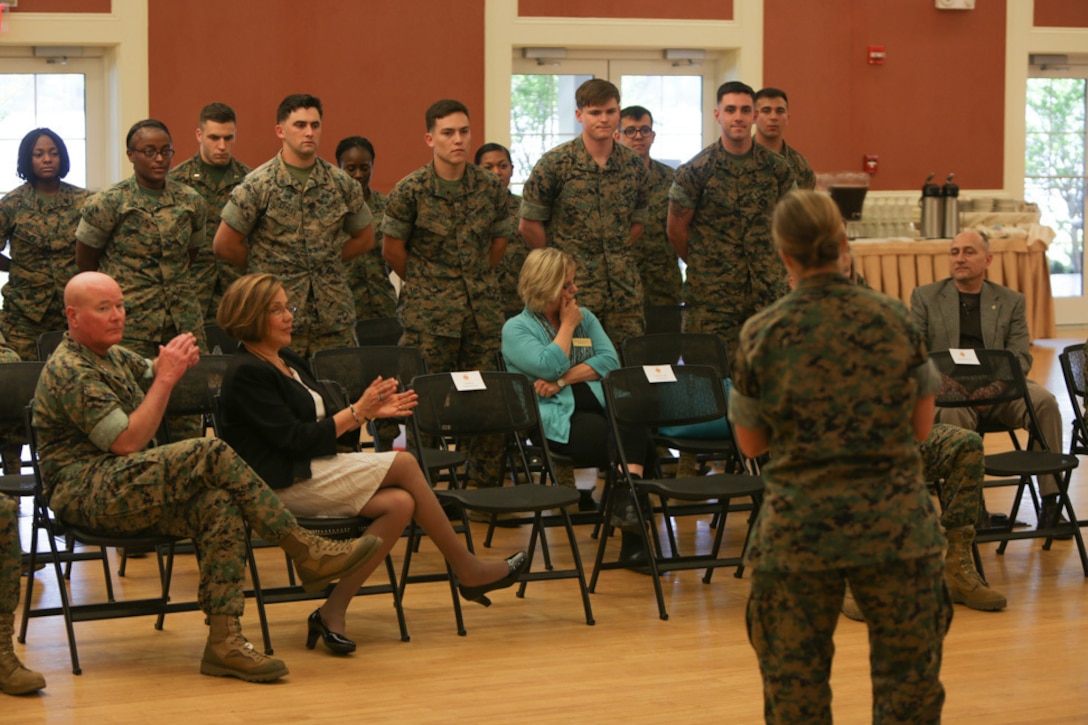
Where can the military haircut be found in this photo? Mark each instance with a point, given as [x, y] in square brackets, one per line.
[488, 148]
[354, 142]
[542, 277]
[636, 112]
[596, 92]
[141, 125]
[441, 109]
[24, 167]
[217, 112]
[808, 228]
[769, 92]
[296, 101]
[735, 87]
[243, 311]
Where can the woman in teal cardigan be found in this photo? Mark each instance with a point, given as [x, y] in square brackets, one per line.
[564, 350]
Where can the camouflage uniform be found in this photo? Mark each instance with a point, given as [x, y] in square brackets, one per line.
[510, 266]
[40, 230]
[211, 277]
[733, 269]
[197, 488]
[587, 212]
[11, 437]
[658, 265]
[954, 456]
[297, 232]
[367, 274]
[449, 304]
[10, 555]
[147, 241]
[802, 172]
[832, 373]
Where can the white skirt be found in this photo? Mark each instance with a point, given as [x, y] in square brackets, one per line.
[341, 485]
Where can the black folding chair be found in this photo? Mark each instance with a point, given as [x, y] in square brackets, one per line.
[996, 379]
[696, 396]
[219, 342]
[45, 523]
[507, 407]
[47, 343]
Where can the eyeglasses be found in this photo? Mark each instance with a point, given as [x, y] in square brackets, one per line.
[632, 131]
[151, 152]
[280, 311]
[568, 286]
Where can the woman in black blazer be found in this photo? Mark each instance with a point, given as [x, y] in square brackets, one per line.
[285, 425]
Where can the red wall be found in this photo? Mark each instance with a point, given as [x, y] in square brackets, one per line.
[63, 6]
[376, 66]
[932, 106]
[674, 10]
[1060, 14]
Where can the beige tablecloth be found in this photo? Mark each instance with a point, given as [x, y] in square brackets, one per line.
[897, 266]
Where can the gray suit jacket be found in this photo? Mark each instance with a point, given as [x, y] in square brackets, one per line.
[936, 309]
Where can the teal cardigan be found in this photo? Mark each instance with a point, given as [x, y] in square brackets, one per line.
[528, 349]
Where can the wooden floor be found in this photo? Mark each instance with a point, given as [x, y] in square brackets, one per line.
[535, 660]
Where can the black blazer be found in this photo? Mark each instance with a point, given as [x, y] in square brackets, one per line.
[271, 421]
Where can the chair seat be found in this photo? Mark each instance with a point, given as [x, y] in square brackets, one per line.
[133, 541]
[511, 499]
[17, 485]
[437, 458]
[1028, 463]
[698, 445]
[335, 527]
[701, 488]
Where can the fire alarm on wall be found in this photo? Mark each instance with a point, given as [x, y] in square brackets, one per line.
[955, 4]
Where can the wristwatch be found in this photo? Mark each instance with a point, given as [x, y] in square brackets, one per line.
[561, 383]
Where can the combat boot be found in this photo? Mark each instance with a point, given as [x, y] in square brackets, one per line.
[964, 583]
[15, 679]
[229, 654]
[320, 560]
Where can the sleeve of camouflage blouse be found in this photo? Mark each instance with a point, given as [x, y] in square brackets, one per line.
[97, 220]
[539, 192]
[400, 211]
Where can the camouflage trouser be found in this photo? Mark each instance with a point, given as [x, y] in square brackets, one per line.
[725, 325]
[22, 334]
[954, 455]
[469, 352]
[205, 275]
[198, 488]
[791, 622]
[622, 324]
[306, 341]
[10, 555]
[227, 274]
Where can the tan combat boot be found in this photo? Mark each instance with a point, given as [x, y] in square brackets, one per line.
[320, 560]
[229, 654]
[964, 583]
[14, 678]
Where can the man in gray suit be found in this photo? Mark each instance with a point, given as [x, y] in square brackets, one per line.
[968, 311]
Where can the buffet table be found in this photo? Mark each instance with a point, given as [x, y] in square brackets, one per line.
[897, 266]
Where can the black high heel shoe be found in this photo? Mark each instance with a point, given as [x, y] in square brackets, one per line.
[336, 642]
[517, 565]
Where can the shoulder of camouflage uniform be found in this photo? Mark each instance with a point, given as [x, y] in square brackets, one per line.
[770, 160]
[183, 190]
[661, 168]
[77, 193]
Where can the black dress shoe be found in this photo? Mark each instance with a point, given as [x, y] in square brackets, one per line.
[516, 564]
[336, 642]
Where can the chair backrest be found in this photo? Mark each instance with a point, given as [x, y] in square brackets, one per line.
[47, 343]
[195, 393]
[506, 405]
[1075, 371]
[355, 368]
[378, 331]
[682, 348]
[664, 319]
[696, 396]
[18, 381]
[219, 342]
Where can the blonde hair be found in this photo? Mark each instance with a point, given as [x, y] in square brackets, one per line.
[243, 311]
[542, 277]
[807, 227]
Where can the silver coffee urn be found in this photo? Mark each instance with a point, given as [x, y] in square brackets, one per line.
[931, 209]
[950, 208]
